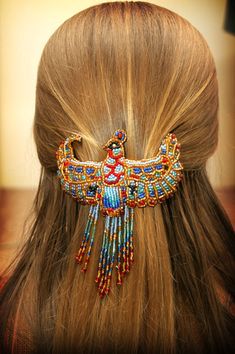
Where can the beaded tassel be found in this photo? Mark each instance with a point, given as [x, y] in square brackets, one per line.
[91, 224]
[107, 257]
[110, 247]
[131, 237]
[119, 273]
[128, 254]
[124, 248]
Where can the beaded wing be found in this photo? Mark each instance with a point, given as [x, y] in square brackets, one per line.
[114, 187]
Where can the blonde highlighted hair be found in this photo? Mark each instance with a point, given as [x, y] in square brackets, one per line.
[142, 68]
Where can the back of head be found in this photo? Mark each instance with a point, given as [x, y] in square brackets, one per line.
[142, 68]
[132, 65]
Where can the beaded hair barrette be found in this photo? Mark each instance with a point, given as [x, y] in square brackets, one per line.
[115, 186]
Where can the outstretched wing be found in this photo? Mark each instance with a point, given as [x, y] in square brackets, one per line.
[152, 180]
[79, 179]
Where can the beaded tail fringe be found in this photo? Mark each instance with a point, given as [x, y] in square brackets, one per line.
[117, 246]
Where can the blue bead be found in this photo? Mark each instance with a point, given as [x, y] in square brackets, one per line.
[137, 170]
[79, 169]
[151, 191]
[148, 169]
[90, 170]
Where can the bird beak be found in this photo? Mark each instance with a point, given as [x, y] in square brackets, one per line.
[105, 147]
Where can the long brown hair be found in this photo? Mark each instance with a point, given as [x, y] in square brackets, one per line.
[139, 67]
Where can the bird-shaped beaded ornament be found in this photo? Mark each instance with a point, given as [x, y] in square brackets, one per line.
[115, 186]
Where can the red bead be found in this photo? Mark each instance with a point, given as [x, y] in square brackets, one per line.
[165, 160]
[151, 202]
[110, 182]
[66, 163]
[173, 136]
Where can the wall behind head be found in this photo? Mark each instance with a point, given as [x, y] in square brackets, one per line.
[25, 27]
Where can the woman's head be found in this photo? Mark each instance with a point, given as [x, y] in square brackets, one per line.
[138, 67]
[127, 65]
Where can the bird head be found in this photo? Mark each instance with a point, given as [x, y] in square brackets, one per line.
[114, 145]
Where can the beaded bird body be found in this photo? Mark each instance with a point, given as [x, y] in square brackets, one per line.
[115, 187]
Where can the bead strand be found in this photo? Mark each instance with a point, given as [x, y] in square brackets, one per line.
[86, 236]
[131, 236]
[110, 259]
[92, 238]
[106, 261]
[127, 269]
[105, 255]
[106, 230]
[119, 274]
[124, 240]
[116, 229]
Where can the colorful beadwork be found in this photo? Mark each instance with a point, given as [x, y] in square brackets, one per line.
[115, 186]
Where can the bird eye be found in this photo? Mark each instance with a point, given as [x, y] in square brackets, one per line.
[114, 145]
